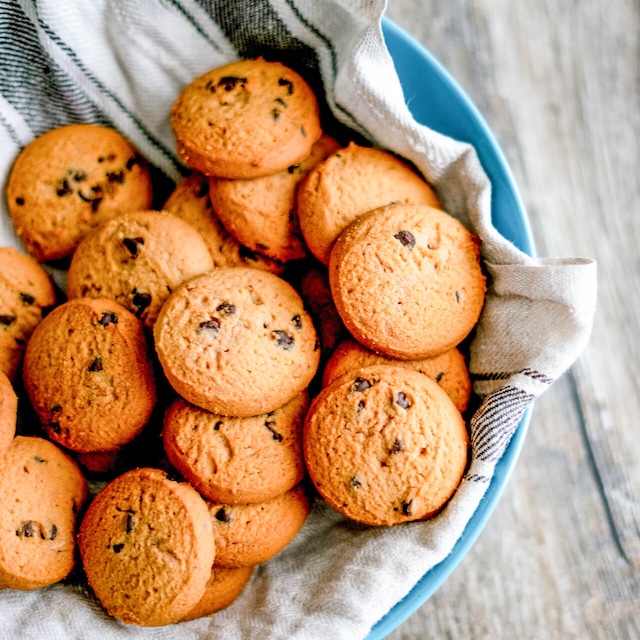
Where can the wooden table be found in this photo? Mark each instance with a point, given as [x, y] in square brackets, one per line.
[559, 84]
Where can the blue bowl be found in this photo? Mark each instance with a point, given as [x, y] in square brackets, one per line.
[436, 100]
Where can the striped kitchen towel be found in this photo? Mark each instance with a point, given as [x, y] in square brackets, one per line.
[123, 63]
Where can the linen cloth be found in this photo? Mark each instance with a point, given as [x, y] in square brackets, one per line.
[123, 63]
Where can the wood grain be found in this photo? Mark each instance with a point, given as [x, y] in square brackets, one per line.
[559, 84]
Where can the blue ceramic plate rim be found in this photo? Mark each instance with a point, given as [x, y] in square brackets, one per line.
[461, 120]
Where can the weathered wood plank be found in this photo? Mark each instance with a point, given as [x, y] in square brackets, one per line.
[559, 85]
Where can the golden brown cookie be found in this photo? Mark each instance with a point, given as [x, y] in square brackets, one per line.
[248, 534]
[26, 292]
[8, 413]
[41, 493]
[407, 281]
[245, 119]
[223, 588]
[137, 259]
[70, 180]
[190, 201]
[147, 547]
[351, 182]
[316, 293]
[89, 375]
[237, 341]
[385, 445]
[237, 460]
[448, 369]
[261, 212]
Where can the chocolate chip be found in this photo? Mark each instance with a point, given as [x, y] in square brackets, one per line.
[77, 175]
[439, 376]
[396, 447]
[212, 326]
[354, 483]
[54, 532]
[361, 405]
[406, 239]
[133, 245]
[56, 409]
[132, 162]
[217, 425]
[222, 515]
[118, 547]
[458, 297]
[55, 427]
[275, 114]
[26, 530]
[406, 507]
[108, 317]
[283, 339]
[95, 204]
[303, 132]
[293, 168]
[95, 193]
[226, 308]
[110, 157]
[228, 83]
[361, 384]
[7, 319]
[27, 298]
[141, 301]
[297, 321]
[283, 82]
[39, 460]
[402, 400]
[131, 522]
[116, 177]
[281, 102]
[19, 201]
[274, 434]
[63, 188]
[96, 365]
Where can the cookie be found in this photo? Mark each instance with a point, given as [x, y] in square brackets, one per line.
[70, 180]
[26, 293]
[448, 369]
[190, 201]
[89, 375]
[237, 460]
[236, 341]
[99, 461]
[385, 445]
[351, 182]
[147, 547]
[316, 293]
[137, 259]
[8, 413]
[248, 534]
[41, 493]
[224, 588]
[407, 281]
[245, 119]
[261, 212]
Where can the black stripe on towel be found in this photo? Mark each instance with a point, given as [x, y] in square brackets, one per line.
[32, 83]
[495, 421]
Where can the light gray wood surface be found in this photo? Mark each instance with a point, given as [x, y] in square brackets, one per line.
[558, 82]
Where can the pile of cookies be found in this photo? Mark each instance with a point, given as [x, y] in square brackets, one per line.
[289, 321]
